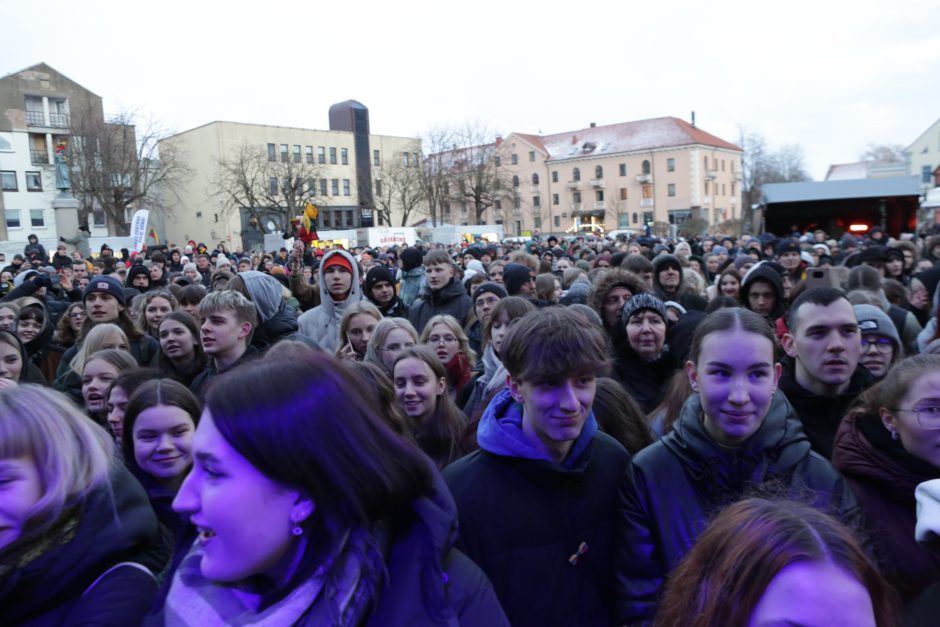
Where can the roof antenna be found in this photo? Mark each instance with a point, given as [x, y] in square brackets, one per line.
[693, 119]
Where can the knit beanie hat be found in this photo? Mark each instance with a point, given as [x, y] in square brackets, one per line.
[662, 261]
[376, 274]
[22, 276]
[873, 321]
[105, 284]
[411, 258]
[642, 302]
[514, 276]
[489, 286]
[339, 259]
[133, 272]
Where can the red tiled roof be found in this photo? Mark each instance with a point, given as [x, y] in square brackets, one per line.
[535, 140]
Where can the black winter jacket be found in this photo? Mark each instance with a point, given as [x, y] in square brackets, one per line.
[646, 381]
[451, 299]
[523, 522]
[685, 478]
[821, 415]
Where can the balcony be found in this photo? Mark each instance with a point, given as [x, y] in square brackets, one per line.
[736, 176]
[535, 189]
[39, 157]
[646, 202]
[597, 182]
[574, 185]
[576, 206]
[35, 118]
[711, 174]
[644, 178]
[600, 205]
[59, 120]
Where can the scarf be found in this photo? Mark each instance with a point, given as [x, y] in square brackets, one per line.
[28, 548]
[337, 593]
[458, 371]
[494, 372]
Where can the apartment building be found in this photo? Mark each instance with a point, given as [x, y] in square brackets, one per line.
[618, 176]
[340, 170]
[38, 105]
[923, 155]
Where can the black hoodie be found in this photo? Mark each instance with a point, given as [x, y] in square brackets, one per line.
[764, 272]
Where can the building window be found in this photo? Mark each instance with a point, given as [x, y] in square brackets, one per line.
[535, 179]
[272, 186]
[925, 174]
[722, 189]
[576, 175]
[414, 159]
[33, 182]
[531, 155]
[577, 197]
[636, 218]
[334, 184]
[321, 154]
[623, 220]
[646, 167]
[497, 161]
[97, 217]
[323, 187]
[498, 204]
[517, 201]
[9, 181]
[12, 218]
[308, 153]
[732, 189]
[296, 153]
[623, 193]
[312, 187]
[556, 199]
[284, 156]
[599, 195]
[706, 162]
[405, 159]
[344, 156]
[598, 172]
[671, 189]
[537, 222]
[557, 221]
[272, 152]
[515, 159]
[346, 191]
[554, 176]
[375, 158]
[536, 201]
[37, 218]
[378, 187]
[333, 155]
[722, 165]
[515, 181]
[623, 169]
[670, 165]
[706, 188]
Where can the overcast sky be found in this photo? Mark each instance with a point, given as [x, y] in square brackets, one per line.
[831, 76]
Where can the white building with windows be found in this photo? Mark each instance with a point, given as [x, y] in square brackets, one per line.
[923, 155]
[37, 105]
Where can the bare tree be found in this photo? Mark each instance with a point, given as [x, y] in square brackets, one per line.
[117, 165]
[892, 153]
[278, 189]
[400, 187]
[761, 165]
[437, 144]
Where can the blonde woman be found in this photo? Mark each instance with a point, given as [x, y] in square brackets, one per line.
[100, 337]
[355, 330]
[390, 338]
[444, 335]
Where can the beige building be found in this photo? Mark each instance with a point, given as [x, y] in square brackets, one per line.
[923, 155]
[620, 176]
[339, 171]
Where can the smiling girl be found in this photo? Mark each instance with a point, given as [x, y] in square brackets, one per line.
[736, 433]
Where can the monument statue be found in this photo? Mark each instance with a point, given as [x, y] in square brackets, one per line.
[62, 181]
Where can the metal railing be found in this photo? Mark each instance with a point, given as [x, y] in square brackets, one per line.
[59, 120]
[35, 118]
[39, 156]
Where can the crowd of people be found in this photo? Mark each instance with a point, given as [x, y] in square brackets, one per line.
[580, 431]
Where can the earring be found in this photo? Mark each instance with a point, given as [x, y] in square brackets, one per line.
[894, 434]
[297, 530]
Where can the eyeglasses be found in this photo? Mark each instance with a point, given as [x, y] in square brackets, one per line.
[446, 339]
[928, 416]
[881, 344]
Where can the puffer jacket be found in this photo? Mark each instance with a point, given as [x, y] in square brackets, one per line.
[452, 299]
[546, 534]
[884, 476]
[685, 478]
[321, 323]
[644, 380]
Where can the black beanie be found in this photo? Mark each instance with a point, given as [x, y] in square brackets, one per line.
[514, 276]
[134, 271]
[376, 274]
[411, 258]
[489, 286]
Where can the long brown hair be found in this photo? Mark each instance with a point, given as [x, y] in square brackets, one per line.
[724, 576]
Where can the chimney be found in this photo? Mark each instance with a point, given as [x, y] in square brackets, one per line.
[593, 124]
[693, 119]
[574, 140]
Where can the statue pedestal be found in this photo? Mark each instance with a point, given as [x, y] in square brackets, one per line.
[66, 214]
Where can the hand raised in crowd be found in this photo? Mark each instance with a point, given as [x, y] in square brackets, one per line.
[347, 352]
[297, 255]
[65, 282]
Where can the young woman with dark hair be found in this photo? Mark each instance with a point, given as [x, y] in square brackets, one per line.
[764, 562]
[313, 517]
[421, 389]
[181, 354]
[737, 433]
